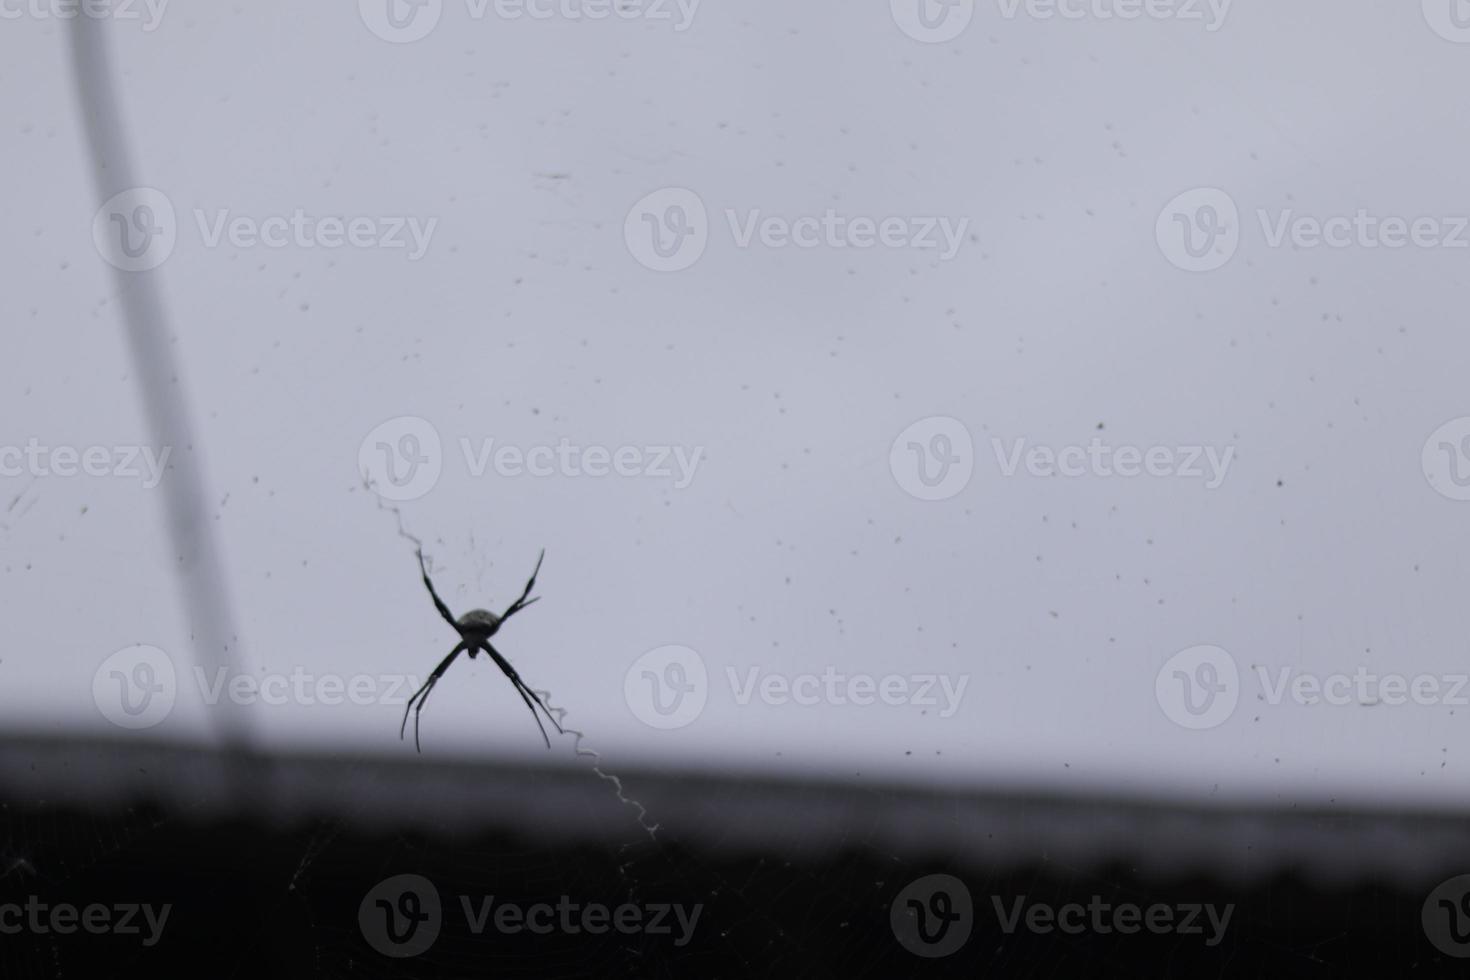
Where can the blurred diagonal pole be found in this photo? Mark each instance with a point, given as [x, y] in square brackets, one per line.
[199, 567]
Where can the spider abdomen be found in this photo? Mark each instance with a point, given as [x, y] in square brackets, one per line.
[479, 621]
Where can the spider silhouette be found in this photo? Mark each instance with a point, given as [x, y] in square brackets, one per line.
[475, 629]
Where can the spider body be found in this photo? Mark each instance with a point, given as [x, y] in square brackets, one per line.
[479, 622]
[475, 629]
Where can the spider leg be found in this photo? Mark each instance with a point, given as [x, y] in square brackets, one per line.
[438, 602]
[422, 694]
[523, 602]
[527, 695]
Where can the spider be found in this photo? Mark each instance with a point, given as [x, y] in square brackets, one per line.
[475, 629]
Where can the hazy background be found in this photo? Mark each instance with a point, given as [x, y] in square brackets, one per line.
[796, 546]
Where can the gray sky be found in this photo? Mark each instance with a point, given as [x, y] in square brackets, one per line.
[521, 150]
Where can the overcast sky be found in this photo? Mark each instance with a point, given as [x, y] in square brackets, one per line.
[895, 273]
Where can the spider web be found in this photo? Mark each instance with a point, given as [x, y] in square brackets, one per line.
[643, 866]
